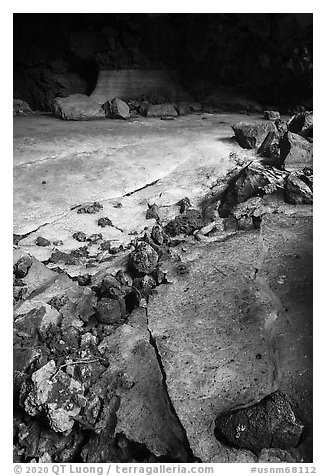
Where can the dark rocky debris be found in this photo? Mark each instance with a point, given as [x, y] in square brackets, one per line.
[271, 423]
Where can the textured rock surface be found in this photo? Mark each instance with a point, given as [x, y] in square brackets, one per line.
[296, 152]
[297, 191]
[119, 109]
[161, 110]
[77, 107]
[252, 134]
[21, 108]
[217, 320]
[270, 423]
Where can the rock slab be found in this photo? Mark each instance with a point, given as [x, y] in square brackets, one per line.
[77, 107]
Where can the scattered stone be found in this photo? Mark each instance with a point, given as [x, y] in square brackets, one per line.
[77, 107]
[108, 311]
[79, 236]
[186, 223]
[93, 208]
[40, 241]
[143, 259]
[22, 266]
[104, 221]
[152, 212]
[252, 134]
[119, 109]
[271, 423]
[296, 152]
[296, 191]
[272, 115]
[161, 110]
[21, 108]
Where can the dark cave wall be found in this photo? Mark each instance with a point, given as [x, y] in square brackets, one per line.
[267, 57]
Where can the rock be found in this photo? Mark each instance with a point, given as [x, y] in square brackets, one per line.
[22, 266]
[77, 107]
[272, 115]
[184, 204]
[271, 423]
[143, 259]
[296, 191]
[182, 108]
[194, 107]
[301, 123]
[276, 455]
[79, 236]
[21, 108]
[252, 134]
[186, 223]
[296, 152]
[95, 237]
[152, 212]
[119, 109]
[161, 110]
[252, 181]
[95, 207]
[104, 221]
[158, 235]
[40, 241]
[108, 311]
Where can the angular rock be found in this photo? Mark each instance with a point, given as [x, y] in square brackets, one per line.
[301, 123]
[272, 115]
[182, 108]
[161, 110]
[21, 108]
[22, 266]
[77, 107]
[185, 224]
[143, 259]
[119, 109]
[108, 311]
[252, 134]
[271, 423]
[296, 152]
[56, 394]
[296, 191]
[253, 180]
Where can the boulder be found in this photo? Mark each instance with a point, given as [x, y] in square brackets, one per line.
[296, 191]
[301, 123]
[161, 110]
[21, 108]
[77, 107]
[252, 134]
[296, 152]
[182, 108]
[119, 109]
[271, 423]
